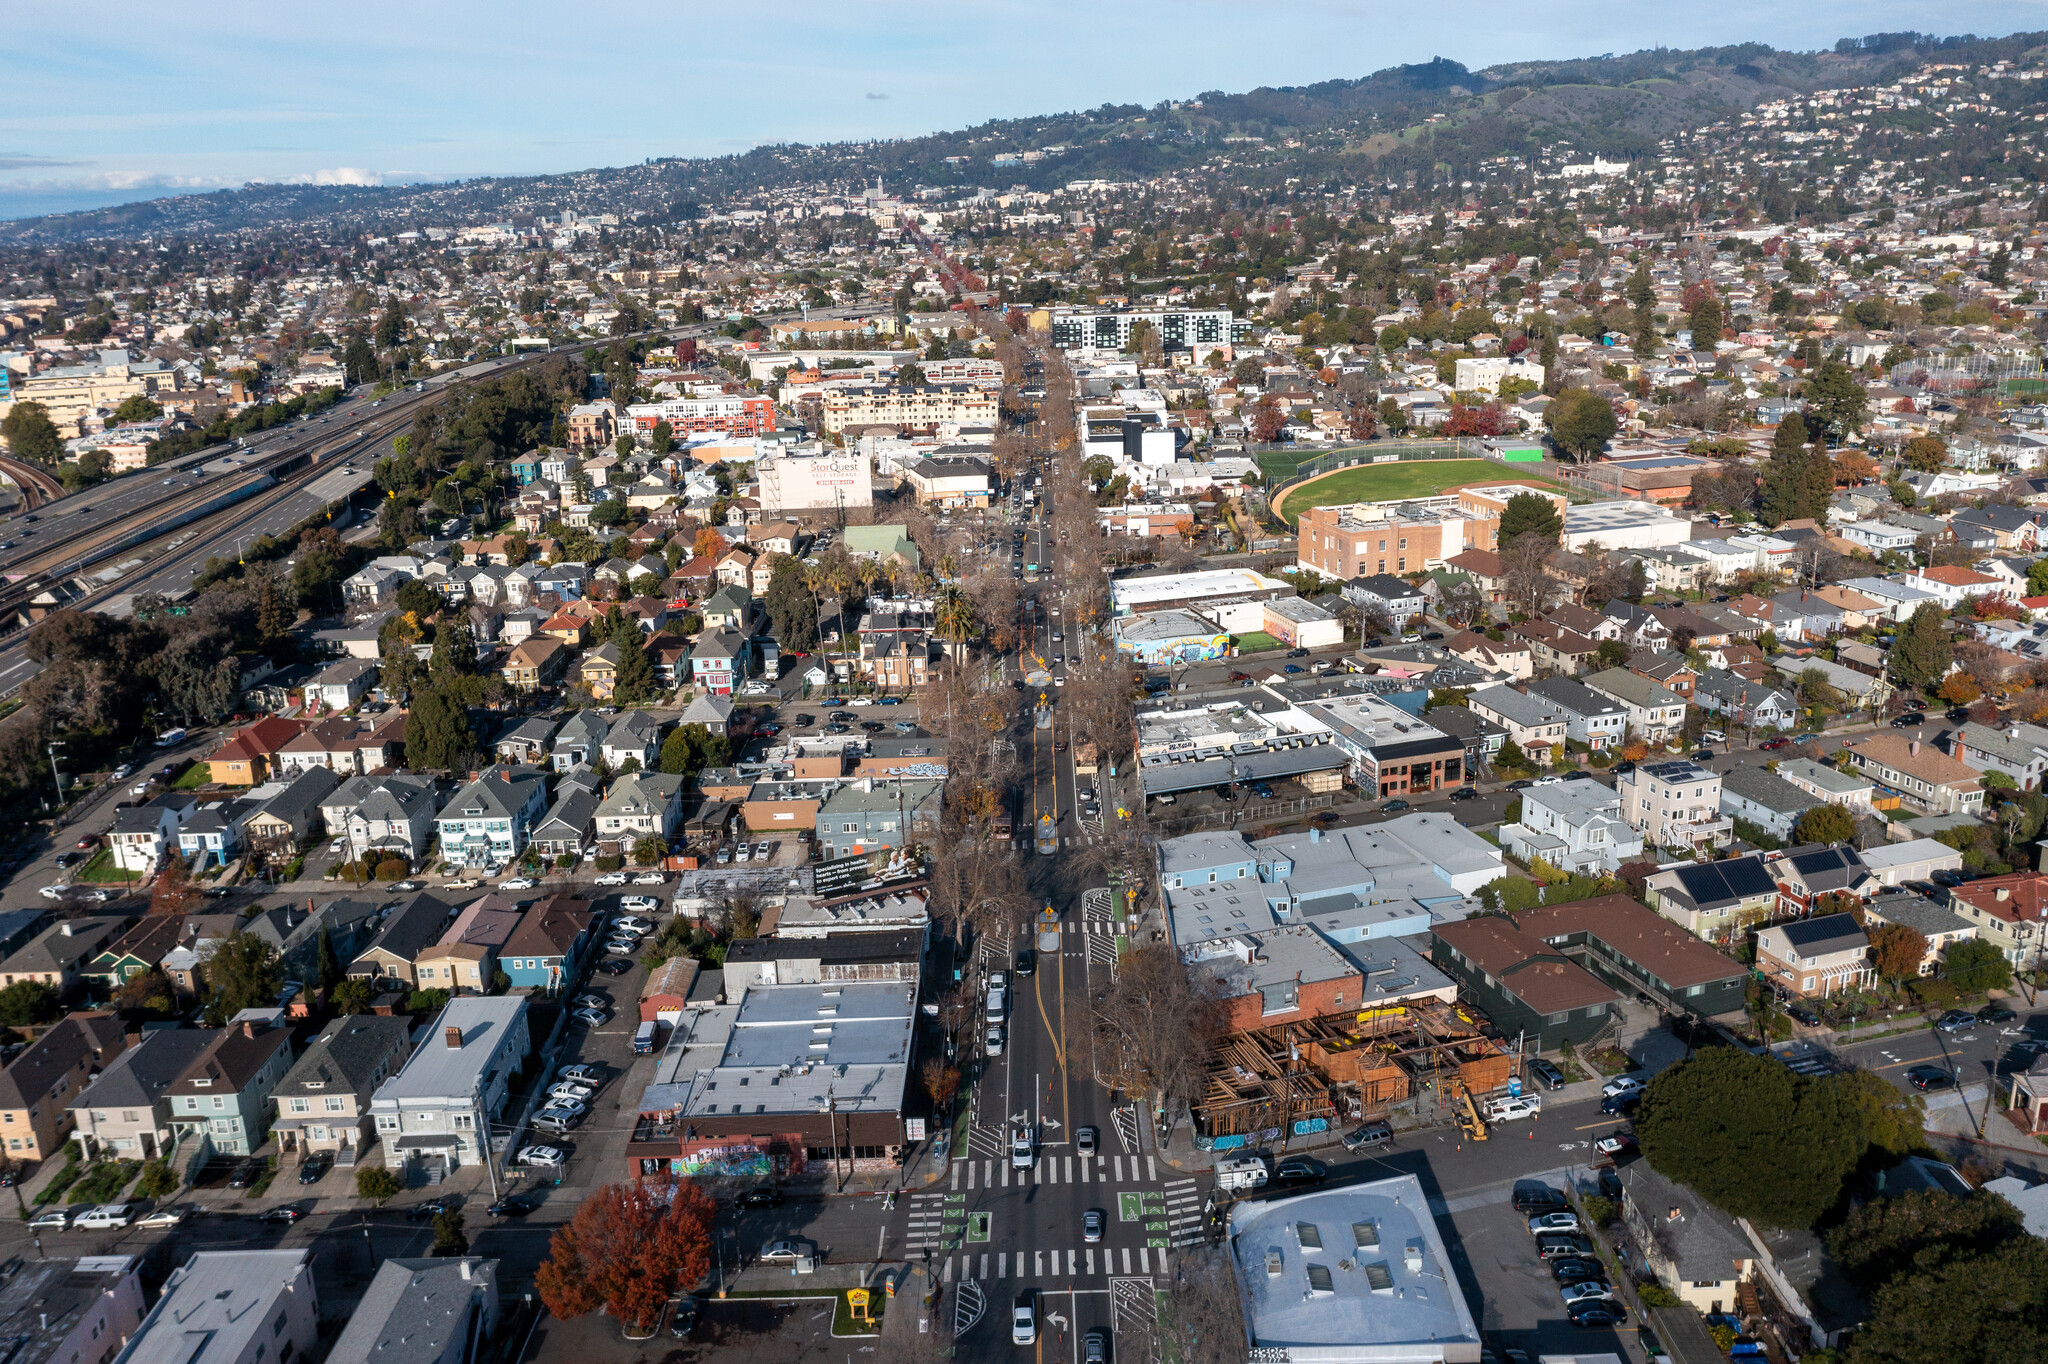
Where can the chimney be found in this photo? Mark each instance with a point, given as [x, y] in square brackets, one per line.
[248, 1027]
[69, 931]
[1913, 747]
[2004, 894]
[464, 1267]
[453, 1037]
[1675, 1215]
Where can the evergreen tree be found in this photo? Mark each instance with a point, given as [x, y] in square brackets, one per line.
[1529, 513]
[328, 965]
[437, 733]
[634, 679]
[1836, 400]
[1786, 476]
[1706, 323]
[1922, 653]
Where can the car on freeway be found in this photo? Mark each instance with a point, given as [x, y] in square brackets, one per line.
[511, 1205]
[1394, 806]
[518, 883]
[786, 1250]
[1615, 1144]
[596, 1018]
[549, 1157]
[315, 1167]
[1622, 1084]
[611, 878]
[1085, 1141]
[1553, 1221]
[1924, 1078]
[761, 1196]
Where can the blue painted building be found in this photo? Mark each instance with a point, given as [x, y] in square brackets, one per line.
[551, 947]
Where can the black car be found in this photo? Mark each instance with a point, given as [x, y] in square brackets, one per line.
[1027, 961]
[1530, 1199]
[1300, 1170]
[247, 1172]
[1576, 1269]
[684, 1319]
[614, 966]
[761, 1196]
[284, 1215]
[1597, 1313]
[1703, 755]
[433, 1207]
[1996, 1013]
[316, 1166]
[1624, 1104]
[1924, 1078]
[1297, 653]
[806, 719]
[1521, 784]
[1958, 714]
[1911, 721]
[1465, 793]
[1550, 1075]
[1801, 1014]
[511, 1205]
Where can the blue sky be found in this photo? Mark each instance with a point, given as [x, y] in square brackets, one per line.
[111, 101]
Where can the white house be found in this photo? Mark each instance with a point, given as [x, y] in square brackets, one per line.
[438, 1110]
[1575, 825]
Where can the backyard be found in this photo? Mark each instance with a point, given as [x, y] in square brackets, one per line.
[1409, 478]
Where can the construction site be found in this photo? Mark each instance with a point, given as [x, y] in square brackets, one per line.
[1308, 1077]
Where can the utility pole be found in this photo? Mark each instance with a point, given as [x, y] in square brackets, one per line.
[56, 777]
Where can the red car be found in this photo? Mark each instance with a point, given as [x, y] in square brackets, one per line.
[1773, 745]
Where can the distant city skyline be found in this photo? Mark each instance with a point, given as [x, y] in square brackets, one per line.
[116, 102]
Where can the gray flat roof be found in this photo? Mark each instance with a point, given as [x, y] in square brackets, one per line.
[437, 1071]
[1356, 1274]
[215, 1303]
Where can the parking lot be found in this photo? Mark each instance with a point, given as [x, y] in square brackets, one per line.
[1513, 1296]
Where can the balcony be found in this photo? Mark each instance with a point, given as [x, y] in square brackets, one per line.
[1691, 833]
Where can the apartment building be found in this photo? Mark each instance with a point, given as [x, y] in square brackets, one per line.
[1814, 958]
[1576, 826]
[38, 1086]
[434, 1111]
[732, 414]
[1360, 539]
[922, 410]
[223, 1098]
[1674, 804]
[232, 1307]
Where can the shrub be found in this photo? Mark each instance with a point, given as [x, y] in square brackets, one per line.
[1657, 1295]
[610, 862]
[157, 1180]
[377, 1184]
[1599, 1211]
[391, 869]
[422, 1001]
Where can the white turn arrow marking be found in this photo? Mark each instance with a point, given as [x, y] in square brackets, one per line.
[1049, 1124]
[1057, 1320]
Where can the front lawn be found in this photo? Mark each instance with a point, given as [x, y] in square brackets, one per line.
[192, 778]
[100, 868]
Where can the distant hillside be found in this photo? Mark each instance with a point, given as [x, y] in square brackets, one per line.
[1400, 119]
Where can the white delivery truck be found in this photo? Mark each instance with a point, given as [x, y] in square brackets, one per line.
[1239, 1173]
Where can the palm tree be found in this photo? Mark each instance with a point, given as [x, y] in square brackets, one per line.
[954, 616]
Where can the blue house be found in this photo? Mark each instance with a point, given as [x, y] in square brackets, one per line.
[551, 947]
[487, 822]
[526, 468]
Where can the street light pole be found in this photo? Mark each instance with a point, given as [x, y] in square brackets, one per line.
[56, 777]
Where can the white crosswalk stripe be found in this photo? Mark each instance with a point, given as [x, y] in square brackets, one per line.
[1070, 1262]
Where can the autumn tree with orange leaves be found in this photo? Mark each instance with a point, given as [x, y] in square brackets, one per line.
[628, 1249]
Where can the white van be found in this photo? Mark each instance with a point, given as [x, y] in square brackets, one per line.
[998, 1005]
[1241, 1172]
[104, 1217]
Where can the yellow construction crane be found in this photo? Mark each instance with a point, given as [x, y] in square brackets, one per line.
[1467, 1114]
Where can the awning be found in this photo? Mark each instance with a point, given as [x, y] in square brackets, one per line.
[426, 1140]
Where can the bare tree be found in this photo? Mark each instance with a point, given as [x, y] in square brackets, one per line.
[1202, 1320]
[1528, 578]
[1155, 1031]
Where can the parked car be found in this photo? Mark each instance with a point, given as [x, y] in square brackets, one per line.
[1465, 793]
[1600, 1312]
[1995, 1013]
[1552, 1245]
[1370, 1134]
[649, 878]
[518, 883]
[1622, 1084]
[1553, 1221]
[1615, 1144]
[1586, 1290]
[550, 1157]
[611, 878]
[1300, 1170]
[786, 1250]
[761, 1196]
[54, 1219]
[1530, 1199]
[1576, 1269]
[569, 1089]
[315, 1166]
[596, 1018]
[1550, 1076]
[166, 1217]
[247, 1172]
[583, 1073]
[1924, 1078]
[1956, 1021]
[615, 966]
[1394, 806]
[433, 1207]
[286, 1215]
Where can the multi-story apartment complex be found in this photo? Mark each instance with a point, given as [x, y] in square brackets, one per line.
[1674, 804]
[734, 414]
[1177, 328]
[908, 409]
[1414, 536]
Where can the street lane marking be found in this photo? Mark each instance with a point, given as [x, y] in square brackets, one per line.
[1086, 1167]
[984, 1267]
[1127, 1259]
[1119, 1169]
[956, 1176]
[1037, 1265]
[1091, 1262]
[1020, 1264]
[1151, 1170]
[1070, 1264]
[1069, 1166]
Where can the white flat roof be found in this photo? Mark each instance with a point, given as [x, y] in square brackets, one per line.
[1356, 1274]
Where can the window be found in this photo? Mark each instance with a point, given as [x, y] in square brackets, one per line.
[332, 1105]
[219, 1102]
[1557, 1018]
[301, 1106]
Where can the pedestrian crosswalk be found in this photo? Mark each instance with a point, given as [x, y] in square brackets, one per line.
[1072, 1262]
[1091, 926]
[1184, 1215]
[971, 1174]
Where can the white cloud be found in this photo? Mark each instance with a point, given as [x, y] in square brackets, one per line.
[340, 175]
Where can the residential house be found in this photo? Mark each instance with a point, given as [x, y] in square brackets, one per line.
[1654, 712]
[598, 670]
[1814, 958]
[580, 741]
[536, 663]
[1481, 737]
[486, 823]
[341, 685]
[1534, 723]
[634, 736]
[1948, 585]
[1637, 627]
[1487, 570]
[1555, 649]
[1675, 804]
[232, 1307]
[247, 758]
[1510, 658]
[720, 660]
[1810, 872]
[405, 932]
[347, 746]
[223, 1098]
[1383, 592]
[2010, 911]
[1770, 803]
[211, 835]
[1574, 826]
[424, 1311]
[38, 1086]
[566, 828]
[1740, 701]
[1829, 784]
[287, 814]
[1696, 1251]
[552, 945]
[1599, 722]
[465, 958]
[124, 1114]
[2019, 750]
[142, 834]
[1523, 983]
[1941, 928]
[640, 805]
[1921, 773]
[323, 1101]
[135, 953]
[391, 813]
[526, 742]
[1914, 859]
[1858, 690]
[59, 956]
[438, 1110]
[729, 608]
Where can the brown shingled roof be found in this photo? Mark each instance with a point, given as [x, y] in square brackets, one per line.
[1642, 935]
[1529, 968]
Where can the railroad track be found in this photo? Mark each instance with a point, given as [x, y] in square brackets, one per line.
[37, 486]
